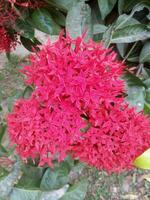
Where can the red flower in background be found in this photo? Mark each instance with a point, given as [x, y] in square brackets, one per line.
[8, 14]
[28, 3]
[75, 80]
[7, 41]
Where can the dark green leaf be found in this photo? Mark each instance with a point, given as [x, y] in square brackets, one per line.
[55, 178]
[2, 131]
[121, 6]
[99, 28]
[30, 45]
[106, 7]
[31, 177]
[131, 34]
[3, 173]
[125, 21]
[12, 99]
[1, 108]
[77, 191]
[78, 20]
[58, 16]
[43, 21]
[62, 4]
[24, 28]
[107, 36]
[122, 49]
[133, 80]
[27, 92]
[147, 108]
[145, 53]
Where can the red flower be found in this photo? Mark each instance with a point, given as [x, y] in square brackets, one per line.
[7, 41]
[27, 3]
[75, 80]
[116, 137]
[8, 15]
[44, 132]
[79, 73]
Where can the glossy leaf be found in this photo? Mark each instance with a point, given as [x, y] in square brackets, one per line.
[133, 80]
[125, 21]
[131, 34]
[78, 20]
[106, 7]
[55, 178]
[62, 4]
[2, 131]
[43, 21]
[24, 28]
[27, 92]
[143, 161]
[77, 191]
[30, 45]
[99, 28]
[58, 16]
[23, 194]
[31, 177]
[145, 53]
[121, 4]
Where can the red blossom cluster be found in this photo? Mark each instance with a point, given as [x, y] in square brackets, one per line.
[27, 3]
[7, 41]
[77, 107]
[8, 17]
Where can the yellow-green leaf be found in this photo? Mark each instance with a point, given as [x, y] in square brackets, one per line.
[143, 161]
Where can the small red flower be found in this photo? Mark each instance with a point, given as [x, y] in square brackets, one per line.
[7, 41]
[28, 3]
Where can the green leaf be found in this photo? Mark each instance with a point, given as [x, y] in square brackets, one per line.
[24, 29]
[135, 97]
[99, 28]
[145, 53]
[43, 21]
[58, 16]
[31, 177]
[77, 191]
[78, 20]
[135, 91]
[107, 36]
[143, 161]
[106, 7]
[27, 92]
[2, 131]
[55, 178]
[122, 49]
[12, 99]
[23, 194]
[30, 45]
[133, 80]
[131, 34]
[3, 173]
[121, 6]
[124, 21]
[63, 5]
[147, 108]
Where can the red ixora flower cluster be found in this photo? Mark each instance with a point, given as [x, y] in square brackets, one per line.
[77, 107]
[27, 3]
[8, 17]
[7, 41]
